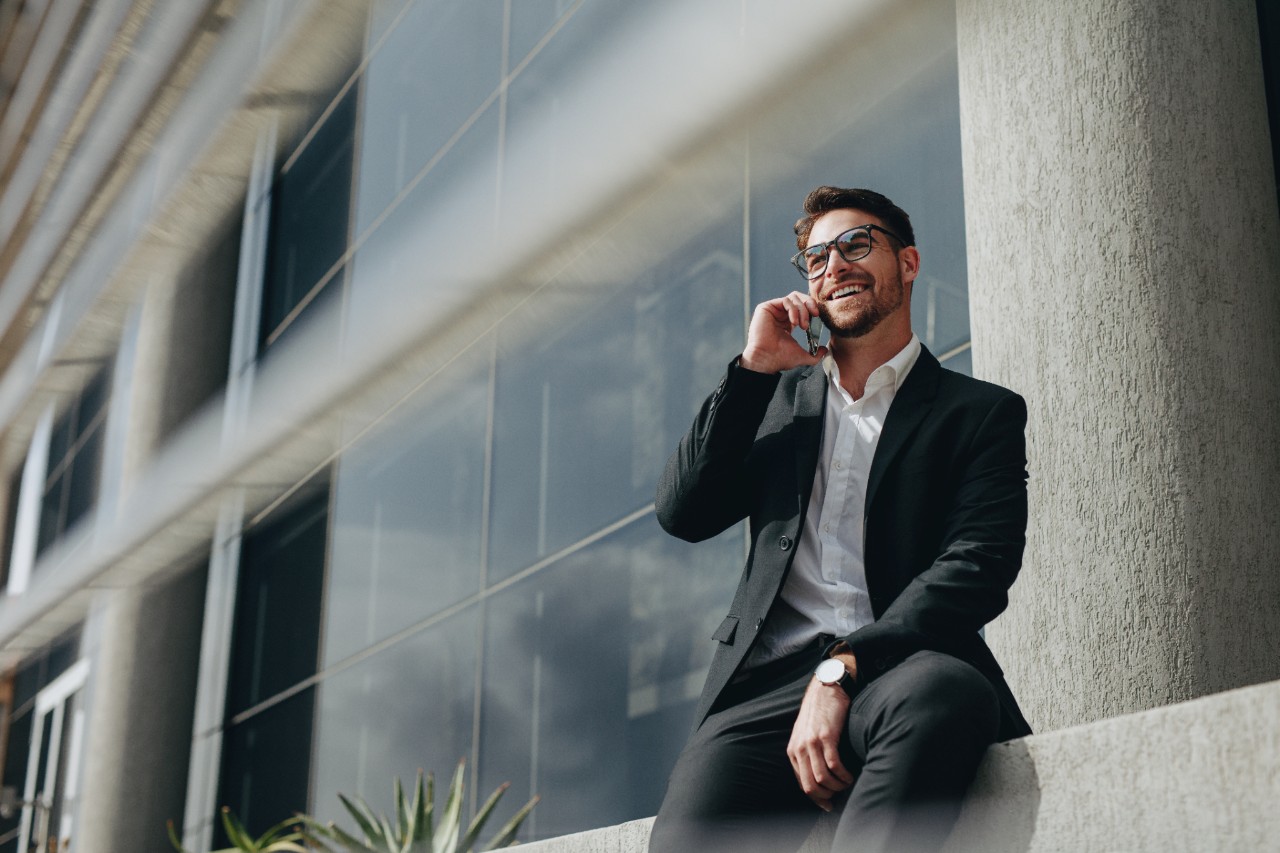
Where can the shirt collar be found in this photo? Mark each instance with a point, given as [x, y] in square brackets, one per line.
[892, 372]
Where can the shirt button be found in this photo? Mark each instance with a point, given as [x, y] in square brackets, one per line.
[784, 542]
[839, 466]
[826, 528]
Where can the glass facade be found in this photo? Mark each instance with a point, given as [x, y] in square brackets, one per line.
[34, 674]
[483, 577]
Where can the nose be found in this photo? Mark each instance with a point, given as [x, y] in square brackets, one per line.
[835, 263]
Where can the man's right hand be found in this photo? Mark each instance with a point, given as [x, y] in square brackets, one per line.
[770, 346]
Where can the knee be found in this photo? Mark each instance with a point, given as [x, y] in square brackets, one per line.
[942, 698]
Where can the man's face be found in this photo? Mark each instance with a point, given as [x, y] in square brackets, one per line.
[856, 297]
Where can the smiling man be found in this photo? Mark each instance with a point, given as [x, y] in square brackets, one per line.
[887, 504]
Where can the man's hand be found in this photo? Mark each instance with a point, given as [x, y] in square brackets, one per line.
[814, 748]
[770, 347]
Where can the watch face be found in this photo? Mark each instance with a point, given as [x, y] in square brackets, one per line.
[830, 671]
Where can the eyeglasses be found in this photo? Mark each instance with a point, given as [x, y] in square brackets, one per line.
[853, 245]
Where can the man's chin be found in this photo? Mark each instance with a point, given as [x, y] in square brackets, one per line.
[849, 327]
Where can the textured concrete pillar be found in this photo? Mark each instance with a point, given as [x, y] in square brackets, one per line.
[144, 641]
[1124, 266]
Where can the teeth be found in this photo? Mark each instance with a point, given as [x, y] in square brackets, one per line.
[847, 291]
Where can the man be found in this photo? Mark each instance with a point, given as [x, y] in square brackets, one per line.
[887, 505]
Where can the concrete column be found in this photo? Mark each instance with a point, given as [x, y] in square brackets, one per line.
[1124, 266]
[144, 641]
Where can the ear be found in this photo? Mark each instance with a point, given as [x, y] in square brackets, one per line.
[908, 264]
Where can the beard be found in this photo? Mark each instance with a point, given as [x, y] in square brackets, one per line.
[885, 299]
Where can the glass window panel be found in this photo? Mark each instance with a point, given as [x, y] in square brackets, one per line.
[92, 400]
[410, 111]
[407, 513]
[907, 146]
[277, 619]
[29, 679]
[266, 762]
[84, 475]
[611, 648]
[587, 414]
[407, 707]
[310, 204]
[16, 754]
[533, 19]
[413, 252]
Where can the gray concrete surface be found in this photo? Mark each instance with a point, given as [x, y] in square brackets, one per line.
[1200, 775]
[1124, 256]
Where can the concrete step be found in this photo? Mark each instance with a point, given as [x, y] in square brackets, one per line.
[1196, 776]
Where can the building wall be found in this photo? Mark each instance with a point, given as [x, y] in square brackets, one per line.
[405, 303]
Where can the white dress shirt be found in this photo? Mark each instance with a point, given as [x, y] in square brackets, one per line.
[826, 591]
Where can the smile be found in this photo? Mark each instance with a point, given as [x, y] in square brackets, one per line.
[850, 290]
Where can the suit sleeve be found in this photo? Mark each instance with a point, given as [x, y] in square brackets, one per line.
[967, 585]
[704, 488]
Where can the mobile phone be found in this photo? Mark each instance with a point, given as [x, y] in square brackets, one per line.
[813, 333]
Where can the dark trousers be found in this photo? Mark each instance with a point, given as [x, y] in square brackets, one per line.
[913, 741]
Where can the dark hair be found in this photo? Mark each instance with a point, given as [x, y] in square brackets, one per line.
[826, 199]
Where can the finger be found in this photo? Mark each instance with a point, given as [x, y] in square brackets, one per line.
[842, 778]
[797, 313]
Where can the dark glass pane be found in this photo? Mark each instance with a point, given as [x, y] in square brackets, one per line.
[408, 508]
[436, 68]
[309, 211]
[277, 621]
[92, 401]
[907, 146]
[266, 761]
[28, 680]
[84, 475]
[587, 413]
[61, 439]
[62, 654]
[406, 708]
[17, 751]
[613, 645]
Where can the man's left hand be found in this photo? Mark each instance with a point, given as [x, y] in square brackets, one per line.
[814, 748]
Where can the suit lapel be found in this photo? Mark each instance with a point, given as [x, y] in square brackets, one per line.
[811, 394]
[910, 406]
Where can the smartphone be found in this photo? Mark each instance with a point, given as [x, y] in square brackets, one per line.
[813, 333]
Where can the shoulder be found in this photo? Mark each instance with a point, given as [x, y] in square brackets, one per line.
[974, 400]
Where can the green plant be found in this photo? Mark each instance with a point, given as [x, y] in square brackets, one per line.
[416, 827]
[284, 837]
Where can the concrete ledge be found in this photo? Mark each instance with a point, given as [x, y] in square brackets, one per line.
[1200, 775]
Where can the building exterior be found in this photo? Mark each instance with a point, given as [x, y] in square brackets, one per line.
[342, 343]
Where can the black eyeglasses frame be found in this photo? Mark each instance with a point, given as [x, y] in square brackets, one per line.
[797, 260]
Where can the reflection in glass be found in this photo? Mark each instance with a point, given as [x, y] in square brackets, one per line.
[407, 514]
[409, 109]
[589, 409]
[277, 622]
[310, 203]
[592, 668]
[265, 765]
[907, 146]
[407, 707]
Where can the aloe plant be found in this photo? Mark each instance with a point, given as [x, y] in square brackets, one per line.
[414, 826]
[284, 837]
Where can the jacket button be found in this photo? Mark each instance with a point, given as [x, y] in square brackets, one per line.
[759, 622]
[784, 542]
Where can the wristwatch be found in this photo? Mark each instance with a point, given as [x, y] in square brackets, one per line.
[832, 673]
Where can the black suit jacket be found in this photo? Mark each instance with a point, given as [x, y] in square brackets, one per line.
[946, 511]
